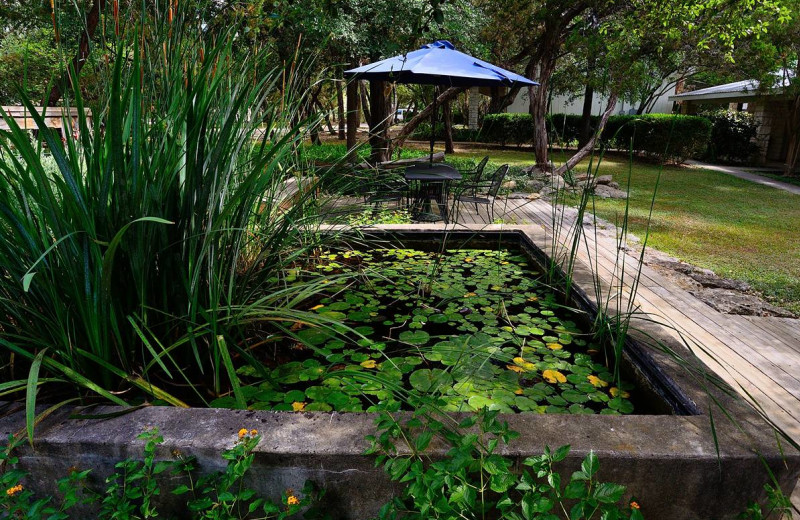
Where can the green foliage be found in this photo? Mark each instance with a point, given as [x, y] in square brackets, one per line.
[370, 217]
[778, 506]
[135, 489]
[507, 128]
[475, 328]
[160, 236]
[566, 128]
[423, 132]
[732, 135]
[474, 479]
[664, 137]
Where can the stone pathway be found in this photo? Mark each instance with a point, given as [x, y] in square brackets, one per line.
[752, 177]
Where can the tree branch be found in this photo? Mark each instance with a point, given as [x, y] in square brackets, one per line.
[583, 152]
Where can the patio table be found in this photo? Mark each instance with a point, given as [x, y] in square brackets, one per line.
[430, 182]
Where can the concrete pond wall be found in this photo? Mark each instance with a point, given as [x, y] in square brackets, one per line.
[669, 461]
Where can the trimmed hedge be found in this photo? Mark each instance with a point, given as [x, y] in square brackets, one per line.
[665, 137]
[732, 135]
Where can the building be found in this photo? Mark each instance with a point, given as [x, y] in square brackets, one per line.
[771, 109]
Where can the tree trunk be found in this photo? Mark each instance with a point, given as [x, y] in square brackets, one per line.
[586, 116]
[793, 137]
[538, 110]
[353, 114]
[424, 115]
[378, 128]
[499, 102]
[365, 108]
[92, 20]
[584, 151]
[447, 116]
[340, 110]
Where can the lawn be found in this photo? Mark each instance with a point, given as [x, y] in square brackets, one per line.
[737, 228]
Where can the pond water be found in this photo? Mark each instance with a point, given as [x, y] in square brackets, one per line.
[474, 328]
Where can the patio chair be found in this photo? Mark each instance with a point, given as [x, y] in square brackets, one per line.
[474, 175]
[482, 193]
[379, 187]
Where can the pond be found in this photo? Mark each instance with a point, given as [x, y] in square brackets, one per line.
[473, 328]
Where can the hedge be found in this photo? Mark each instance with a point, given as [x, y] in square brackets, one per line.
[665, 137]
[732, 135]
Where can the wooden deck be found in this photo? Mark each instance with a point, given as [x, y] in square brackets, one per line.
[755, 355]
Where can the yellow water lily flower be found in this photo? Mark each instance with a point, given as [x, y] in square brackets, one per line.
[370, 363]
[553, 376]
[519, 391]
[596, 381]
[526, 365]
[298, 406]
[533, 299]
[614, 391]
[554, 346]
[470, 295]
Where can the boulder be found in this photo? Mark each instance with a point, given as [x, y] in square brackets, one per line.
[715, 282]
[607, 192]
[605, 180]
[732, 302]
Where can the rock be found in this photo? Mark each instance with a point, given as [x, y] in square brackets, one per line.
[614, 185]
[510, 184]
[681, 267]
[604, 180]
[732, 302]
[715, 282]
[533, 196]
[557, 182]
[518, 195]
[607, 192]
[535, 185]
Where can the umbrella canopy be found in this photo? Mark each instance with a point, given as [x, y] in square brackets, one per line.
[439, 63]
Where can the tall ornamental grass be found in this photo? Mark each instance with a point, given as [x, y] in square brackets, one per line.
[153, 257]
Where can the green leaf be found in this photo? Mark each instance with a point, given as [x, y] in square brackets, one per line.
[30, 394]
[590, 464]
[608, 493]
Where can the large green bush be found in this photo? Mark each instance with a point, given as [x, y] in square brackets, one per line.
[732, 135]
[566, 128]
[664, 137]
[507, 128]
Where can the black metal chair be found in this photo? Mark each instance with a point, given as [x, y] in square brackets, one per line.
[474, 175]
[381, 187]
[482, 193]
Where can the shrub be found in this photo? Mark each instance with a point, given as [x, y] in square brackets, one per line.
[507, 129]
[732, 135]
[423, 132]
[665, 137]
[566, 128]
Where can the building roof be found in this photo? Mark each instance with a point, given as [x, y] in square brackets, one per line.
[735, 90]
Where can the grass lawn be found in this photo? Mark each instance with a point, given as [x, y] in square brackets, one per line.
[737, 228]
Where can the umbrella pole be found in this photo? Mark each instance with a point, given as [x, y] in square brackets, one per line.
[433, 123]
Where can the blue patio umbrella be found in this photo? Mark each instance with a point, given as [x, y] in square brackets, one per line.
[438, 63]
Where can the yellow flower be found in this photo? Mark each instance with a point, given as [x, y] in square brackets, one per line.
[614, 391]
[253, 433]
[634, 505]
[525, 365]
[468, 259]
[596, 381]
[554, 346]
[370, 363]
[292, 500]
[553, 376]
[242, 433]
[519, 391]
[533, 299]
[470, 295]
[297, 406]
[14, 490]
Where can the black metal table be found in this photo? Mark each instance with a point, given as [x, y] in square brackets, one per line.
[430, 182]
